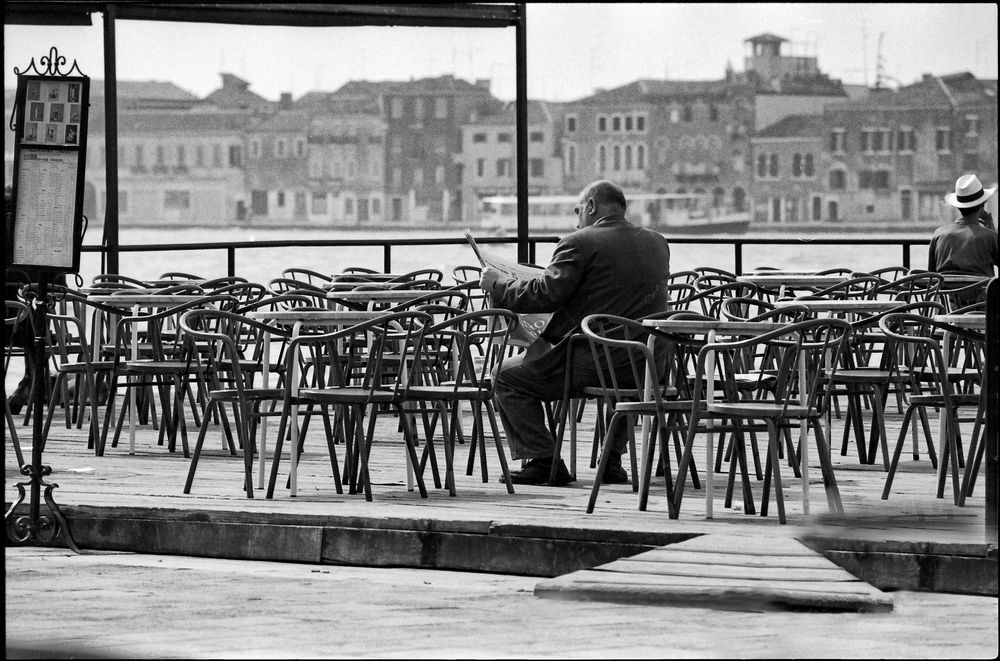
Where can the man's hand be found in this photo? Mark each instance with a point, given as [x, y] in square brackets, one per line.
[487, 278]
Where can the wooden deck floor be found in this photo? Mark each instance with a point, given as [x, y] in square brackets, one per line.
[911, 521]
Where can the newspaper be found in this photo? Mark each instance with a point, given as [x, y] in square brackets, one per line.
[532, 323]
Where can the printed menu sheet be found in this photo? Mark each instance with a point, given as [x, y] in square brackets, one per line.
[53, 113]
[46, 199]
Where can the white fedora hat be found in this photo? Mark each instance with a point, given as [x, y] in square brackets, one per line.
[968, 192]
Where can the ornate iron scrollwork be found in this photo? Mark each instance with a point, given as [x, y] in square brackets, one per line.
[37, 529]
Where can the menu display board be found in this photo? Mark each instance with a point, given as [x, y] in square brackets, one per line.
[49, 161]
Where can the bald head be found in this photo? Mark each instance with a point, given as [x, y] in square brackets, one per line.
[608, 198]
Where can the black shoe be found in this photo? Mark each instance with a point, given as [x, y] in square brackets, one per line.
[613, 472]
[537, 471]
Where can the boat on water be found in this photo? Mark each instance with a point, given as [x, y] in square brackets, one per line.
[669, 213]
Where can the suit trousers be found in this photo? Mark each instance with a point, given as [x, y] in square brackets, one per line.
[524, 385]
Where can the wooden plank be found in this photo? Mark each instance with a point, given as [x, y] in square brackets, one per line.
[735, 559]
[739, 544]
[594, 576]
[828, 573]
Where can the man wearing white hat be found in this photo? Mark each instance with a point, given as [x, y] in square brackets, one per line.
[968, 245]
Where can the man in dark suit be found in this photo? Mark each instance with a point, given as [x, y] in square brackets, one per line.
[607, 266]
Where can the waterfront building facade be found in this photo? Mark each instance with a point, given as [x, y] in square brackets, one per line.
[487, 160]
[788, 168]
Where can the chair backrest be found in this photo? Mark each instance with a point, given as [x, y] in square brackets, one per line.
[156, 329]
[224, 281]
[288, 285]
[420, 274]
[452, 298]
[919, 286]
[114, 279]
[622, 357]
[710, 300]
[360, 270]
[233, 340]
[836, 270]
[817, 343]
[177, 275]
[184, 288]
[246, 293]
[745, 308]
[466, 273]
[918, 351]
[366, 357]
[467, 349]
[858, 287]
[308, 276]
[682, 277]
[712, 270]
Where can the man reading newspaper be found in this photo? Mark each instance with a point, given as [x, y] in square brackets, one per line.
[607, 266]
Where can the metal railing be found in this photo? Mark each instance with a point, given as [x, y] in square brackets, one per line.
[388, 244]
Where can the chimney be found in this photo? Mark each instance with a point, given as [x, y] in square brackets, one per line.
[483, 83]
[285, 103]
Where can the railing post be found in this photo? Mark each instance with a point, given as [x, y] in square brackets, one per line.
[906, 255]
[387, 257]
[738, 247]
[992, 388]
[231, 261]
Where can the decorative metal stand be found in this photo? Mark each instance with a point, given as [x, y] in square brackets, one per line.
[35, 528]
[47, 241]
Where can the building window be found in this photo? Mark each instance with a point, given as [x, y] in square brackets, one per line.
[254, 149]
[602, 124]
[281, 148]
[348, 206]
[505, 137]
[602, 158]
[235, 156]
[817, 210]
[797, 165]
[181, 156]
[140, 161]
[439, 174]
[628, 157]
[838, 179]
[536, 136]
[640, 157]
[536, 167]
[617, 158]
[837, 141]
[640, 123]
[628, 122]
[809, 169]
[199, 156]
[971, 125]
[418, 108]
[971, 160]
[906, 140]
[397, 208]
[713, 112]
[159, 156]
[480, 167]
[761, 166]
[571, 159]
[773, 169]
[616, 123]
[942, 139]
[300, 148]
[873, 179]
[440, 112]
[176, 200]
[570, 123]
[281, 199]
[687, 113]
[396, 107]
[376, 207]
[503, 167]
[217, 156]
[319, 203]
[906, 204]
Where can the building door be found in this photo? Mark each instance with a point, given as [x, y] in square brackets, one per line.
[300, 205]
[258, 203]
[906, 204]
[363, 216]
[831, 211]
[775, 209]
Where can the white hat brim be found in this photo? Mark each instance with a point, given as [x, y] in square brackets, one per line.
[952, 199]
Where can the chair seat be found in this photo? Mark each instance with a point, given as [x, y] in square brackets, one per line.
[161, 367]
[232, 395]
[863, 375]
[649, 408]
[448, 392]
[752, 409]
[938, 400]
[82, 367]
[348, 395]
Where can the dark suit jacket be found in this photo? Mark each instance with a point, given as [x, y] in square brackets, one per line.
[611, 267]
